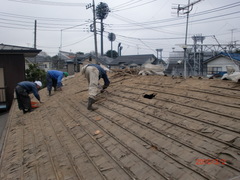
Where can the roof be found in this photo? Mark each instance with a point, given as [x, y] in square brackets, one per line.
[133, 59]
[66, 55]
[40, 59]
[11, 49]
[159, 61]
[146, 127]
[234, 56]
[104, 60]
[101, 59]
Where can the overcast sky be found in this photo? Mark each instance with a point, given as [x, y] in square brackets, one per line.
[141, 26]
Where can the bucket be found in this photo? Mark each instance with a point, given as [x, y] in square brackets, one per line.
[34, 104]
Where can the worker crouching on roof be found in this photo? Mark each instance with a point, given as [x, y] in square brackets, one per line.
[23, 89]
[54, 79]
[93, 73]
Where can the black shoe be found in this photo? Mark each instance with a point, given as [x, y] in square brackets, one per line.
[90, 103]
[27, 110]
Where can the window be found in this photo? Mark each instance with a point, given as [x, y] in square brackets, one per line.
[214, 70]
[2, 86]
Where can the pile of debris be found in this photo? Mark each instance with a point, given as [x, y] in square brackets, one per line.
[231, 75]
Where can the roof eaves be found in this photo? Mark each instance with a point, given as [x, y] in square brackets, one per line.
[10, 49]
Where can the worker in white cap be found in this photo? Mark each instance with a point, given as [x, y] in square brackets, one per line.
[23, 89]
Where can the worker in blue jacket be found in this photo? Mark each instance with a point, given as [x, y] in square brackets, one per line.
[93, 73]
[54, 79]
[23, 89]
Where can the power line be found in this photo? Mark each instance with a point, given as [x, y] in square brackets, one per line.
[40, 24]
[50, 3]
[17, 16]
[135, 6]
[142, 24]
[156, 26]
[233, 5]
[78, 41]
[126, 4]
[53, 24]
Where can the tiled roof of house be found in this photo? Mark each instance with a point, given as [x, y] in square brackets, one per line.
[234, 56]
[145, 127]
[101, 59]
[133, 59]
[40, 59]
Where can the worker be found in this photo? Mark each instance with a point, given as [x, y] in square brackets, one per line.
[23, 89]
[93, 73]
[54, 79]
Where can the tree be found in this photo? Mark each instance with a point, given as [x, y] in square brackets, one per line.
[80, 53]
[115, 54]
[34, 73]
[57, 62]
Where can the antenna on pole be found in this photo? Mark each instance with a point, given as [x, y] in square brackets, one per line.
[94, 25]
[186, 9]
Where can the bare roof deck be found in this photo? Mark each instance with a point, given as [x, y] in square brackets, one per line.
[189, 130]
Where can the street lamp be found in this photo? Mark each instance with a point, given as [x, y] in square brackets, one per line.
[185, 60]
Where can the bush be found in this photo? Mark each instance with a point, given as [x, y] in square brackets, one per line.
[34, 73]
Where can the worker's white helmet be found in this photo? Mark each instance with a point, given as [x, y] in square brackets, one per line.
[39, 83]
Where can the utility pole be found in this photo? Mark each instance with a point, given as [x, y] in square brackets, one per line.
[35, 38]
[102, 29]
[185, 44]
[95, 29]
[35, 34]
[186, 10]
[232, 42]
[94, 25]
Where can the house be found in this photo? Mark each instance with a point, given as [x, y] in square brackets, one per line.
[176, 62]
[175, 65]
[134, 61]
[42, 59]
[82, 59]
[218, 64]
[12, 70]
[68, 59]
